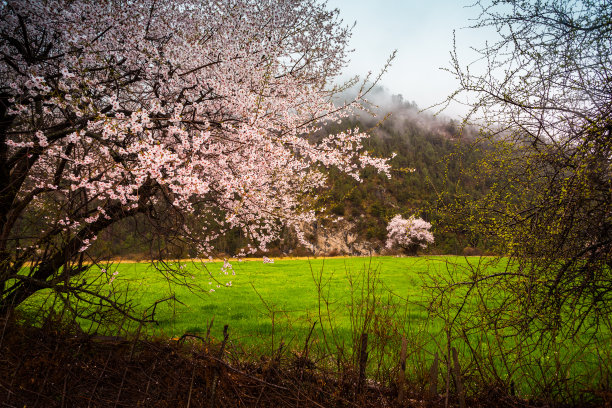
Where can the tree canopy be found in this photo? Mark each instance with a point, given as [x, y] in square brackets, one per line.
[166, 111]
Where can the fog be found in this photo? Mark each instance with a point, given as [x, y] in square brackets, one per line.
[398, 113]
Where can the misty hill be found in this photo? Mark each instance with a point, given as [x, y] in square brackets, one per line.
[430, 153]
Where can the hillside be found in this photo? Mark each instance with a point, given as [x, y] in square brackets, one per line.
[430, 156]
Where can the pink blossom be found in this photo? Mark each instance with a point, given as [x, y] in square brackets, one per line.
[202, 109]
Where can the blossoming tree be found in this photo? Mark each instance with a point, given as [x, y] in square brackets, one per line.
[409, 234]
[167, 110]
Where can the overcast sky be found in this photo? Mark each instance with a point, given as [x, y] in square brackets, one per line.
[421, 32]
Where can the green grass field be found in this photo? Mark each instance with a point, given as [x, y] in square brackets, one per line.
[267, 304]
[286, 291]
[281, 299]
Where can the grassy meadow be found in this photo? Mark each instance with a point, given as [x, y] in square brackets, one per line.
[281, 299]
[272, 303]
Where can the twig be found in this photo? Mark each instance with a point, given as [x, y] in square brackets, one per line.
[6, 319]
[212, 320]
[121, 386]
[9, 390]
[99, 378]
[64, 390]
[135, 341]
[363, 359]
[216, 375]
[149, 382]
[402, 373]
[458, 381]
[191, 386]
[305, 352]
[448, 367]
[433, 378]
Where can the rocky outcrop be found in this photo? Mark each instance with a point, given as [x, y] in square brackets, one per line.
[337, 238]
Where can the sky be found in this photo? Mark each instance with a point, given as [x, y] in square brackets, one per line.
[422, 33]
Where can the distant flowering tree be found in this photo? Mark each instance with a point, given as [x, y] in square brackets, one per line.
[409, 234]
[165, 111]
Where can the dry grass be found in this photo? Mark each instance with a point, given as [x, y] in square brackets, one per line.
[60, 366]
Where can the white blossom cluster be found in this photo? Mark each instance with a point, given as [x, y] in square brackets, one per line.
[408, 233]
